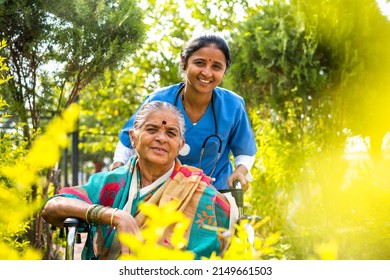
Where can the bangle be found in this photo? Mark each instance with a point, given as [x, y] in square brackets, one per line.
[112, 216]
[87, 212]
[103, 209]
[94, 214]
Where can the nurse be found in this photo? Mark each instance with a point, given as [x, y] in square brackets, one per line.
[216, 121]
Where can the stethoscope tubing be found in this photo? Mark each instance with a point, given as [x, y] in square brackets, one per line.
[216, 135]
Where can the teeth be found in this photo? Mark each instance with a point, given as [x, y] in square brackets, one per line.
[204, 81]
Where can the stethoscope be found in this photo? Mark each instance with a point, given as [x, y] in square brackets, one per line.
[215, 135]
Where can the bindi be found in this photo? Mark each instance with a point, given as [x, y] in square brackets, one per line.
[164, 122]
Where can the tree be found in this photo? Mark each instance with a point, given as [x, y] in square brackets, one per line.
[54, 54]
[310, 50]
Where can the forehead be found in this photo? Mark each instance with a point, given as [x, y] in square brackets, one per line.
[210, 52]
[159, 116]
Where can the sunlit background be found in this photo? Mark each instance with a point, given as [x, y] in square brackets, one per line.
[315, 79]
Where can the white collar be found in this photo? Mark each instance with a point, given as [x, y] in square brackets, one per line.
[160, 180]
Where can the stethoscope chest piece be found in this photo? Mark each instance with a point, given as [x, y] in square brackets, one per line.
[185, 150]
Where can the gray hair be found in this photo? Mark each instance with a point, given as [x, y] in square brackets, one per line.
[148, 108]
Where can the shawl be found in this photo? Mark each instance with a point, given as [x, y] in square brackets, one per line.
[198, 199]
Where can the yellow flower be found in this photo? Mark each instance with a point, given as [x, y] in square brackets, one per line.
[45, 152]
[159, 219]
[328, 250]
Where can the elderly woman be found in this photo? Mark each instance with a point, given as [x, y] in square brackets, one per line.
[110, 200]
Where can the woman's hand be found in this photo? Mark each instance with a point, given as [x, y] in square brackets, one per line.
[125, 223]
[239, 175]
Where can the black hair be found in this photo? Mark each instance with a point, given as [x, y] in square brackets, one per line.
[202, 41]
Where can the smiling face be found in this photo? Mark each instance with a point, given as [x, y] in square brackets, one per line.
[205, 69]
[158, 141]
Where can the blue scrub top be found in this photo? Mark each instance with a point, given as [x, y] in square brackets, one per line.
[234, 129]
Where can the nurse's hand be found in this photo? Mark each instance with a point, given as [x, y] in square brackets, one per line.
[239, 175]
[115, 165]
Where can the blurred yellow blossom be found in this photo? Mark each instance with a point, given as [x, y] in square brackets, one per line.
[45, 150]
[159, 219]
[328, 250]
[16, 210]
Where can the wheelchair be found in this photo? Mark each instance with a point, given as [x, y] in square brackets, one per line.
[74, 226]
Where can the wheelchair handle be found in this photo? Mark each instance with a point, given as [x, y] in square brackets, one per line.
[71, 224]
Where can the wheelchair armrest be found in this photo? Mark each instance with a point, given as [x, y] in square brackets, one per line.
[238, 196]
[237, 192]
[251, 218]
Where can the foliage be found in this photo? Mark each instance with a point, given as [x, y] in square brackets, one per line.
[10, 231]
[310, 50]
[54, 54]
[303, 72]
[343, 214]
[106, 105]
[18, 172]
[4, 66]
[17, 210]
[243, 247]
